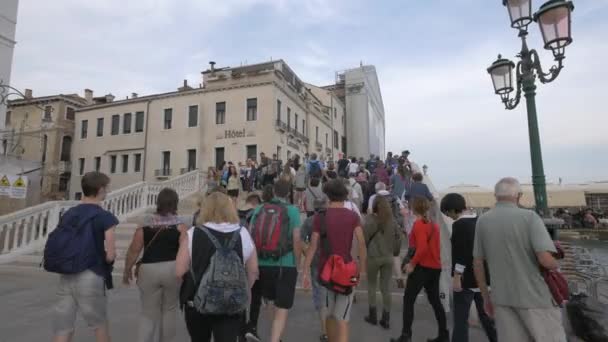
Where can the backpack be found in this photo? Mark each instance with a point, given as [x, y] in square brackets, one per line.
[337, 274]
[270, 231]
[71, 248]
[314, 170]
[224, 288]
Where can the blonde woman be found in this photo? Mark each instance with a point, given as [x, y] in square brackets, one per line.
[218, 218]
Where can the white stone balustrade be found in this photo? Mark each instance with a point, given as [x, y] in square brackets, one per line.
[25, 231]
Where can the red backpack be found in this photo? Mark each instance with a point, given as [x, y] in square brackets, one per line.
[337, 274]
[270, 231]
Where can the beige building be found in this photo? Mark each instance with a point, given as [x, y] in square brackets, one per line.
[237, 113]
[41, 130]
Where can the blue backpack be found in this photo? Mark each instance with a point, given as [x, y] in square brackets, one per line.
[314, 170]
[71, 247]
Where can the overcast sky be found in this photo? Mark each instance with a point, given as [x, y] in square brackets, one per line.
[431, 57]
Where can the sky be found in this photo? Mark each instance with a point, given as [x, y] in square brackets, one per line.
[431, 57]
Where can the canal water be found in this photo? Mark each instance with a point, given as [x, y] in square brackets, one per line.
[599, 249]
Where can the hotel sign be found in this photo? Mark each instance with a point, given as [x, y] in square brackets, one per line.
[233, 133]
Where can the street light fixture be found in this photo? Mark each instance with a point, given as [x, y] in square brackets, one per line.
[554, 18]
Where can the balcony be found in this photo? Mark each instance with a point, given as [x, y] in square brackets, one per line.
[328, 150]
[301, 137]
[282, 126]
[64, 167]
[163, 173]
[319, 146]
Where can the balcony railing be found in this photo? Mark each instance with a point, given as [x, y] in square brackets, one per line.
[319, 146]
[328, 150]
[163, 172]
[282, 126]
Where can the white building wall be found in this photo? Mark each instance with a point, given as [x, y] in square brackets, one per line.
[8, 23]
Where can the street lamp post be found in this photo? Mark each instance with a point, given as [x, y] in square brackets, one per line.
[554, 18]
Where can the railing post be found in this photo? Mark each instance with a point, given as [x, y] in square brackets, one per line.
[54, 216]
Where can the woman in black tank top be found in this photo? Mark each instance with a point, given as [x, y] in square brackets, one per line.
[158, 239]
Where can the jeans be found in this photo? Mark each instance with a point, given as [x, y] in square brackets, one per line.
[462, 306]
[382, 267]
[427, 278]
[254, 308]
[224, 328]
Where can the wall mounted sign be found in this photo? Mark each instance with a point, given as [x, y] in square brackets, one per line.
[235, 134]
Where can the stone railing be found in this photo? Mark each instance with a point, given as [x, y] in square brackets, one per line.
[25, 231]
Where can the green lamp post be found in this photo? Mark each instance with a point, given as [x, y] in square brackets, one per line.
[554, 19]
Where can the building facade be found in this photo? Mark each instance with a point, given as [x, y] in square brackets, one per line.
[235, 115]
[359, 90]
[8, 24]
[41, 130]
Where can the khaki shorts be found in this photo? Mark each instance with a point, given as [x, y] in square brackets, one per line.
[338, 306]
[514, 324]
[84, 292]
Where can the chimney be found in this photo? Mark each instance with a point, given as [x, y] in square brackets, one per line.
[185, 86]
[28, 93]
[133, 95]
[109, 98]
[88, 96]
[212, 66]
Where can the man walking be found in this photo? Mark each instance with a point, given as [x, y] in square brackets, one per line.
[514, 242]
[276, 233]
[85, 291]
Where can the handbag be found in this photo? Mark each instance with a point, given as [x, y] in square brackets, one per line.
[557, 283]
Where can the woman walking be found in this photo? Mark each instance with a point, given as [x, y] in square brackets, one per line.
[218, 225]
[380, 231]
[314, 192]
[155, 271]
[300, 184]
[234, 184]
[424, 271]
[289, 175]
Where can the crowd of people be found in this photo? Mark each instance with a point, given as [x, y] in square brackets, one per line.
[225, 264]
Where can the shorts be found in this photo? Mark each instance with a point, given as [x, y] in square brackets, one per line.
[278, 285]
[233, 193]
[83, 292]
[338, 305]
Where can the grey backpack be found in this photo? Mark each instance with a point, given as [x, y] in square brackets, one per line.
[224, 288]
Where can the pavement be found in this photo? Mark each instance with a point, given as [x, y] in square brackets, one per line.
[27, 299]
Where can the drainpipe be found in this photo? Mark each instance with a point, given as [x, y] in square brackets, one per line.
[331, 115]
[146, 121]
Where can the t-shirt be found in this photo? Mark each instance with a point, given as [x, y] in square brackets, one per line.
[353, 168]
[508, 238]
[293, 214]
[103, 221]
[399, 185]
[246, 243]
[342, 165]
[340, 225]
[418, 190]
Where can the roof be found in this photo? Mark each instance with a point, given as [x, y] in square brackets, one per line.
[72, 98]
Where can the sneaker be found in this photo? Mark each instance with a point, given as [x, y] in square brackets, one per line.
[252, 336]
[324, 338]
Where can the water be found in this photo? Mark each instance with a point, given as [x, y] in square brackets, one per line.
[599, 249]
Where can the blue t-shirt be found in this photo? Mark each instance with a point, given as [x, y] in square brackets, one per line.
[103, 221]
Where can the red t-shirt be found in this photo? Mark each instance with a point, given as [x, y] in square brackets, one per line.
[341, 224]
[425, 238]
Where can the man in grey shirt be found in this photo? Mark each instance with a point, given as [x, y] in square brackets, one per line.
[515, 243]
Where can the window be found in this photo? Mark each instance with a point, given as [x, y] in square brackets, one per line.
[317, 133]
[66, 148]
[64, 179]
[326, 140]
[252, 109]
[191, 160]
[168, 118]
[166, 163]
[125, 163]
[100, 127]
[126, 123]
[336, 140]
[278, 110]
[7, 119]
[220, 113]
[81, 166]
[97, 164]
[78, 196]
[115, 124]
[45, 143]
[296, 121]
[112, 164]
[47, 113]
[137, 162]
[139, 122]
[303, 126]
[70, 113]
[84, 129]
[219, 156]
[335, 113]
[288, 117]
[4, 146]
[252, 152]
[192, 116]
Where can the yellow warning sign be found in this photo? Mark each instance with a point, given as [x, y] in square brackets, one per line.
[4, 181]
[19, 183]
